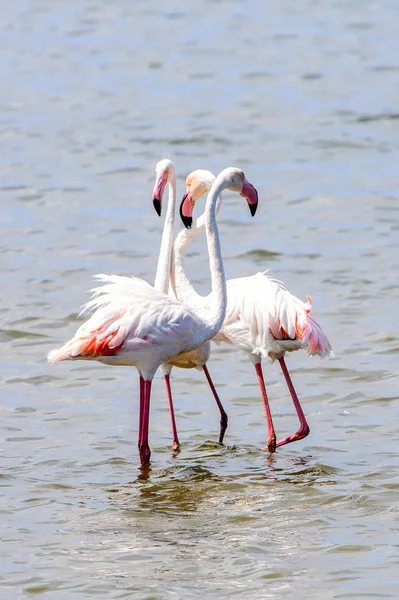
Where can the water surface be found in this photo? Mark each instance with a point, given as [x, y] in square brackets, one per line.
[304, 99]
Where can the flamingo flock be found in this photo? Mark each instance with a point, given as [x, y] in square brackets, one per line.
[169, 324]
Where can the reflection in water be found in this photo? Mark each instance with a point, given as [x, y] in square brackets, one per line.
[183, 489]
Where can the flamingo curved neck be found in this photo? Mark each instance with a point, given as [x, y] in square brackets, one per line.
[164, 260]
[179, 279]
[217, 307]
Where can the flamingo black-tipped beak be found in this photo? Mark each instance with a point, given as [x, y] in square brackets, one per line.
[186, 210]
[157, 205]
[187, 222]
[159, 188]
[250, 193]
[252, 208]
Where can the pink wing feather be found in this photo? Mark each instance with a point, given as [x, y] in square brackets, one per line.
[128, 315]
[264, 315]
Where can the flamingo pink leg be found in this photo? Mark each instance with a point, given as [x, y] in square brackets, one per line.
[223, 415]
[303, 430]
[176, 442]
[271, 442]
[141, 407]
[141, 411]
[144, 448]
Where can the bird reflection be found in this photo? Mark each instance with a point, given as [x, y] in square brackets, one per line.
[180, 488]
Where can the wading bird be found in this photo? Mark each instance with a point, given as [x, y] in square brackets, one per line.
[262, 318]
[197, 358]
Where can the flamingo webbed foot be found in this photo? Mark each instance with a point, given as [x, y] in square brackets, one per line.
[302, 432]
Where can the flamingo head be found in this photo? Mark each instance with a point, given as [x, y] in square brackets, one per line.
[199, 182]
[164, 173]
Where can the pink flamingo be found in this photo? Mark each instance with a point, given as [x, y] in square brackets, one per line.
[137, 325]
[262, 318]
[197, 358]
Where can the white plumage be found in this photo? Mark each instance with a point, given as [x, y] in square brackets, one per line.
[133, 324]
[264, 319]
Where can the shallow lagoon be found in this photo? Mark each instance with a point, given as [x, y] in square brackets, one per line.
[305, 101]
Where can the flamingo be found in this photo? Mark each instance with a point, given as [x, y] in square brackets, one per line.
[262, 318]
[135, 324]
[197, 358]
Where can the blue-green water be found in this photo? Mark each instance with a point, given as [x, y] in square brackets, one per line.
[305, 100]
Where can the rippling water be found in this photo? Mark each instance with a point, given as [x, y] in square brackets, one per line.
[304, 99]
